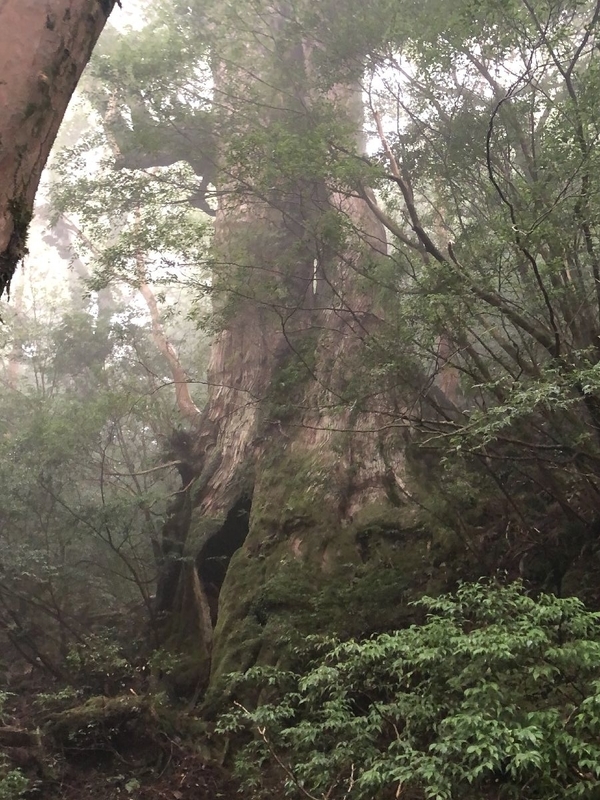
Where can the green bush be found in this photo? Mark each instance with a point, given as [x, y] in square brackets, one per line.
[98, 663]
[13, 784]
[496, 694]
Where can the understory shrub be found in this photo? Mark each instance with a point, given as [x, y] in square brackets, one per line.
[496, 694]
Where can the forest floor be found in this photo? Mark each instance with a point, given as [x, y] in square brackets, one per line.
[108, 748]
[186, 778]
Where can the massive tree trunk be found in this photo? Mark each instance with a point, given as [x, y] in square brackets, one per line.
[300, 520]
[44, 47]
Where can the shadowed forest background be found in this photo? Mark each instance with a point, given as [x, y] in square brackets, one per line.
[300, 409]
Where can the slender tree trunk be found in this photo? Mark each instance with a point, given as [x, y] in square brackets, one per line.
[187, 408]
[13, 359]
[44, 47]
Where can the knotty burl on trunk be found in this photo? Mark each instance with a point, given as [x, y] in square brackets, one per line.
[299, 520]
[44, 47]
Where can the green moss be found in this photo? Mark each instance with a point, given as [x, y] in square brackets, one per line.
[291, 494]
[17, 246]
[21, 214]
[382, 517]
[97, 720]
[190, 667]
[200, 531]
[302, 571]
[126, 725]
[238, 633]
[295, 369]
[314, 576]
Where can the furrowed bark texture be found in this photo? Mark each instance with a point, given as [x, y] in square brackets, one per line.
[44, 47]
[328, 517]
[299, 517]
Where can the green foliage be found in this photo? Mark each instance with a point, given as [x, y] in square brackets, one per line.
[481, 126]
[4, 696]
[98, 662]
[165, 662]
[13, 784]
[79, 526]
[150, 212]
[58, 701]
[132, 785]
[494, 691]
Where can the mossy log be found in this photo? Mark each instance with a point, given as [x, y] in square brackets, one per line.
[110, 724]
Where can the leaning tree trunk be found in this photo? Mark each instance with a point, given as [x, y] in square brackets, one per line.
[44, 47]
[299, 515]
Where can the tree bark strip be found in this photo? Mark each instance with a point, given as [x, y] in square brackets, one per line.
[44, 47]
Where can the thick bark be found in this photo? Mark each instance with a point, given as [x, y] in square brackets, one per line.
[327, 481]
[324, 478]
[44, 47]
